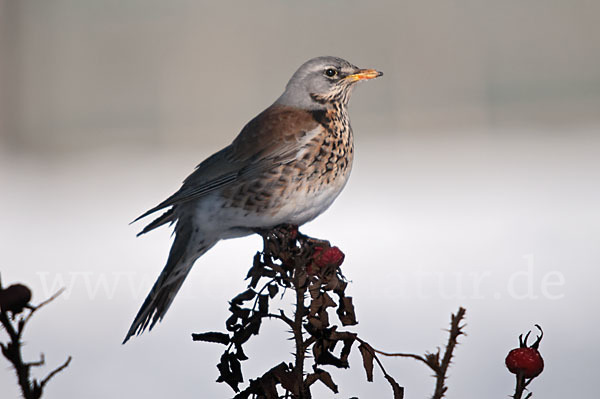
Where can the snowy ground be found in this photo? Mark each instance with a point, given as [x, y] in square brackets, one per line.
[504, 223]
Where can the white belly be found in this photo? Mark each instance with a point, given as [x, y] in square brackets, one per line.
[303, 207]
[299, 208]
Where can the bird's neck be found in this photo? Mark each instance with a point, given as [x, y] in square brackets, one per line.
[334, 118]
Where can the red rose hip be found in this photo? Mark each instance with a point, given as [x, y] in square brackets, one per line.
[328, 256]
[527, 361]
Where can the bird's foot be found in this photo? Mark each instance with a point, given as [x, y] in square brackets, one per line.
[288, 230]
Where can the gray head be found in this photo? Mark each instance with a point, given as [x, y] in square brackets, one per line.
[322, 81]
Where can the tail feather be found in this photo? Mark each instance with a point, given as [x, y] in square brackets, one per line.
[168, 216]
[180, 262]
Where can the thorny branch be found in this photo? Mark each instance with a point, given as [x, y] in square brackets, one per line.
[311, 269]
[432, 360]
[455, 331]
[298, 370]
[521, 386]
[14, 300]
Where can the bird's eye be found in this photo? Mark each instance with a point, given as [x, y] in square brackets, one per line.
[330, 72]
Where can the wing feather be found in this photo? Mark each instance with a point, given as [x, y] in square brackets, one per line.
[270, 140]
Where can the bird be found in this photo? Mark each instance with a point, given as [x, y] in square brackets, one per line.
[286, 166]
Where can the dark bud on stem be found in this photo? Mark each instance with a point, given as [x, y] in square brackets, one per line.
[14, 298]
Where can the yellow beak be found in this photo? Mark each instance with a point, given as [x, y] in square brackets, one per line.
[364, 74]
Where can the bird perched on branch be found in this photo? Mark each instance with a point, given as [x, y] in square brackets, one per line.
[286, 166]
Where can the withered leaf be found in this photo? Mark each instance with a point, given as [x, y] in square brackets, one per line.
[346, 312]
[341, 288]
[272, 247]
[317, 350]
[256, 271]
[346, 349]
[273, 290]
[242, 335]
[245, 394]
[327, 301]
[313, 331]
[239, 353]
[254, 281]
[280, 368]
[324, 356]
[326, 379]
[340, 335]
[398, 390]
[310, 379]
[278, 373]
[329, 344]
[324, 317]
[288, 381]
[315, 305]
[315, 322]
[231, 323]
[322, 376]
[367, 354]
[269, 273]
[244, 296]
[263, 305]
[255, 324]
[332, 283]
[242, 313]
[226, 374]
[268, 387]
[264, 387]
[236, 368]
[256, 265]
[314, 289]
[217, 337]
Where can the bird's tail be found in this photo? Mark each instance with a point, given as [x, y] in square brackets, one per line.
[180, 262]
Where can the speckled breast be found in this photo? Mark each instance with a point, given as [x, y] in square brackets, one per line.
[300, 190]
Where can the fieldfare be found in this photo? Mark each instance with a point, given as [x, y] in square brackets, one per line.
[286, 166]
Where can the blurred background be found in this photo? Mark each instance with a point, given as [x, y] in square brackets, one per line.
[475, 181]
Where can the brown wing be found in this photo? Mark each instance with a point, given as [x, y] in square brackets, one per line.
[271, 139]
[272, 133]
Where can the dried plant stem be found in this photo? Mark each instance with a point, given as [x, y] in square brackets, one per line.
[455, 331]
[297, 330]
[521, 387]
[30, 388]
[282, 317]
[12, 351]
[440, 368]
[301, 264]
